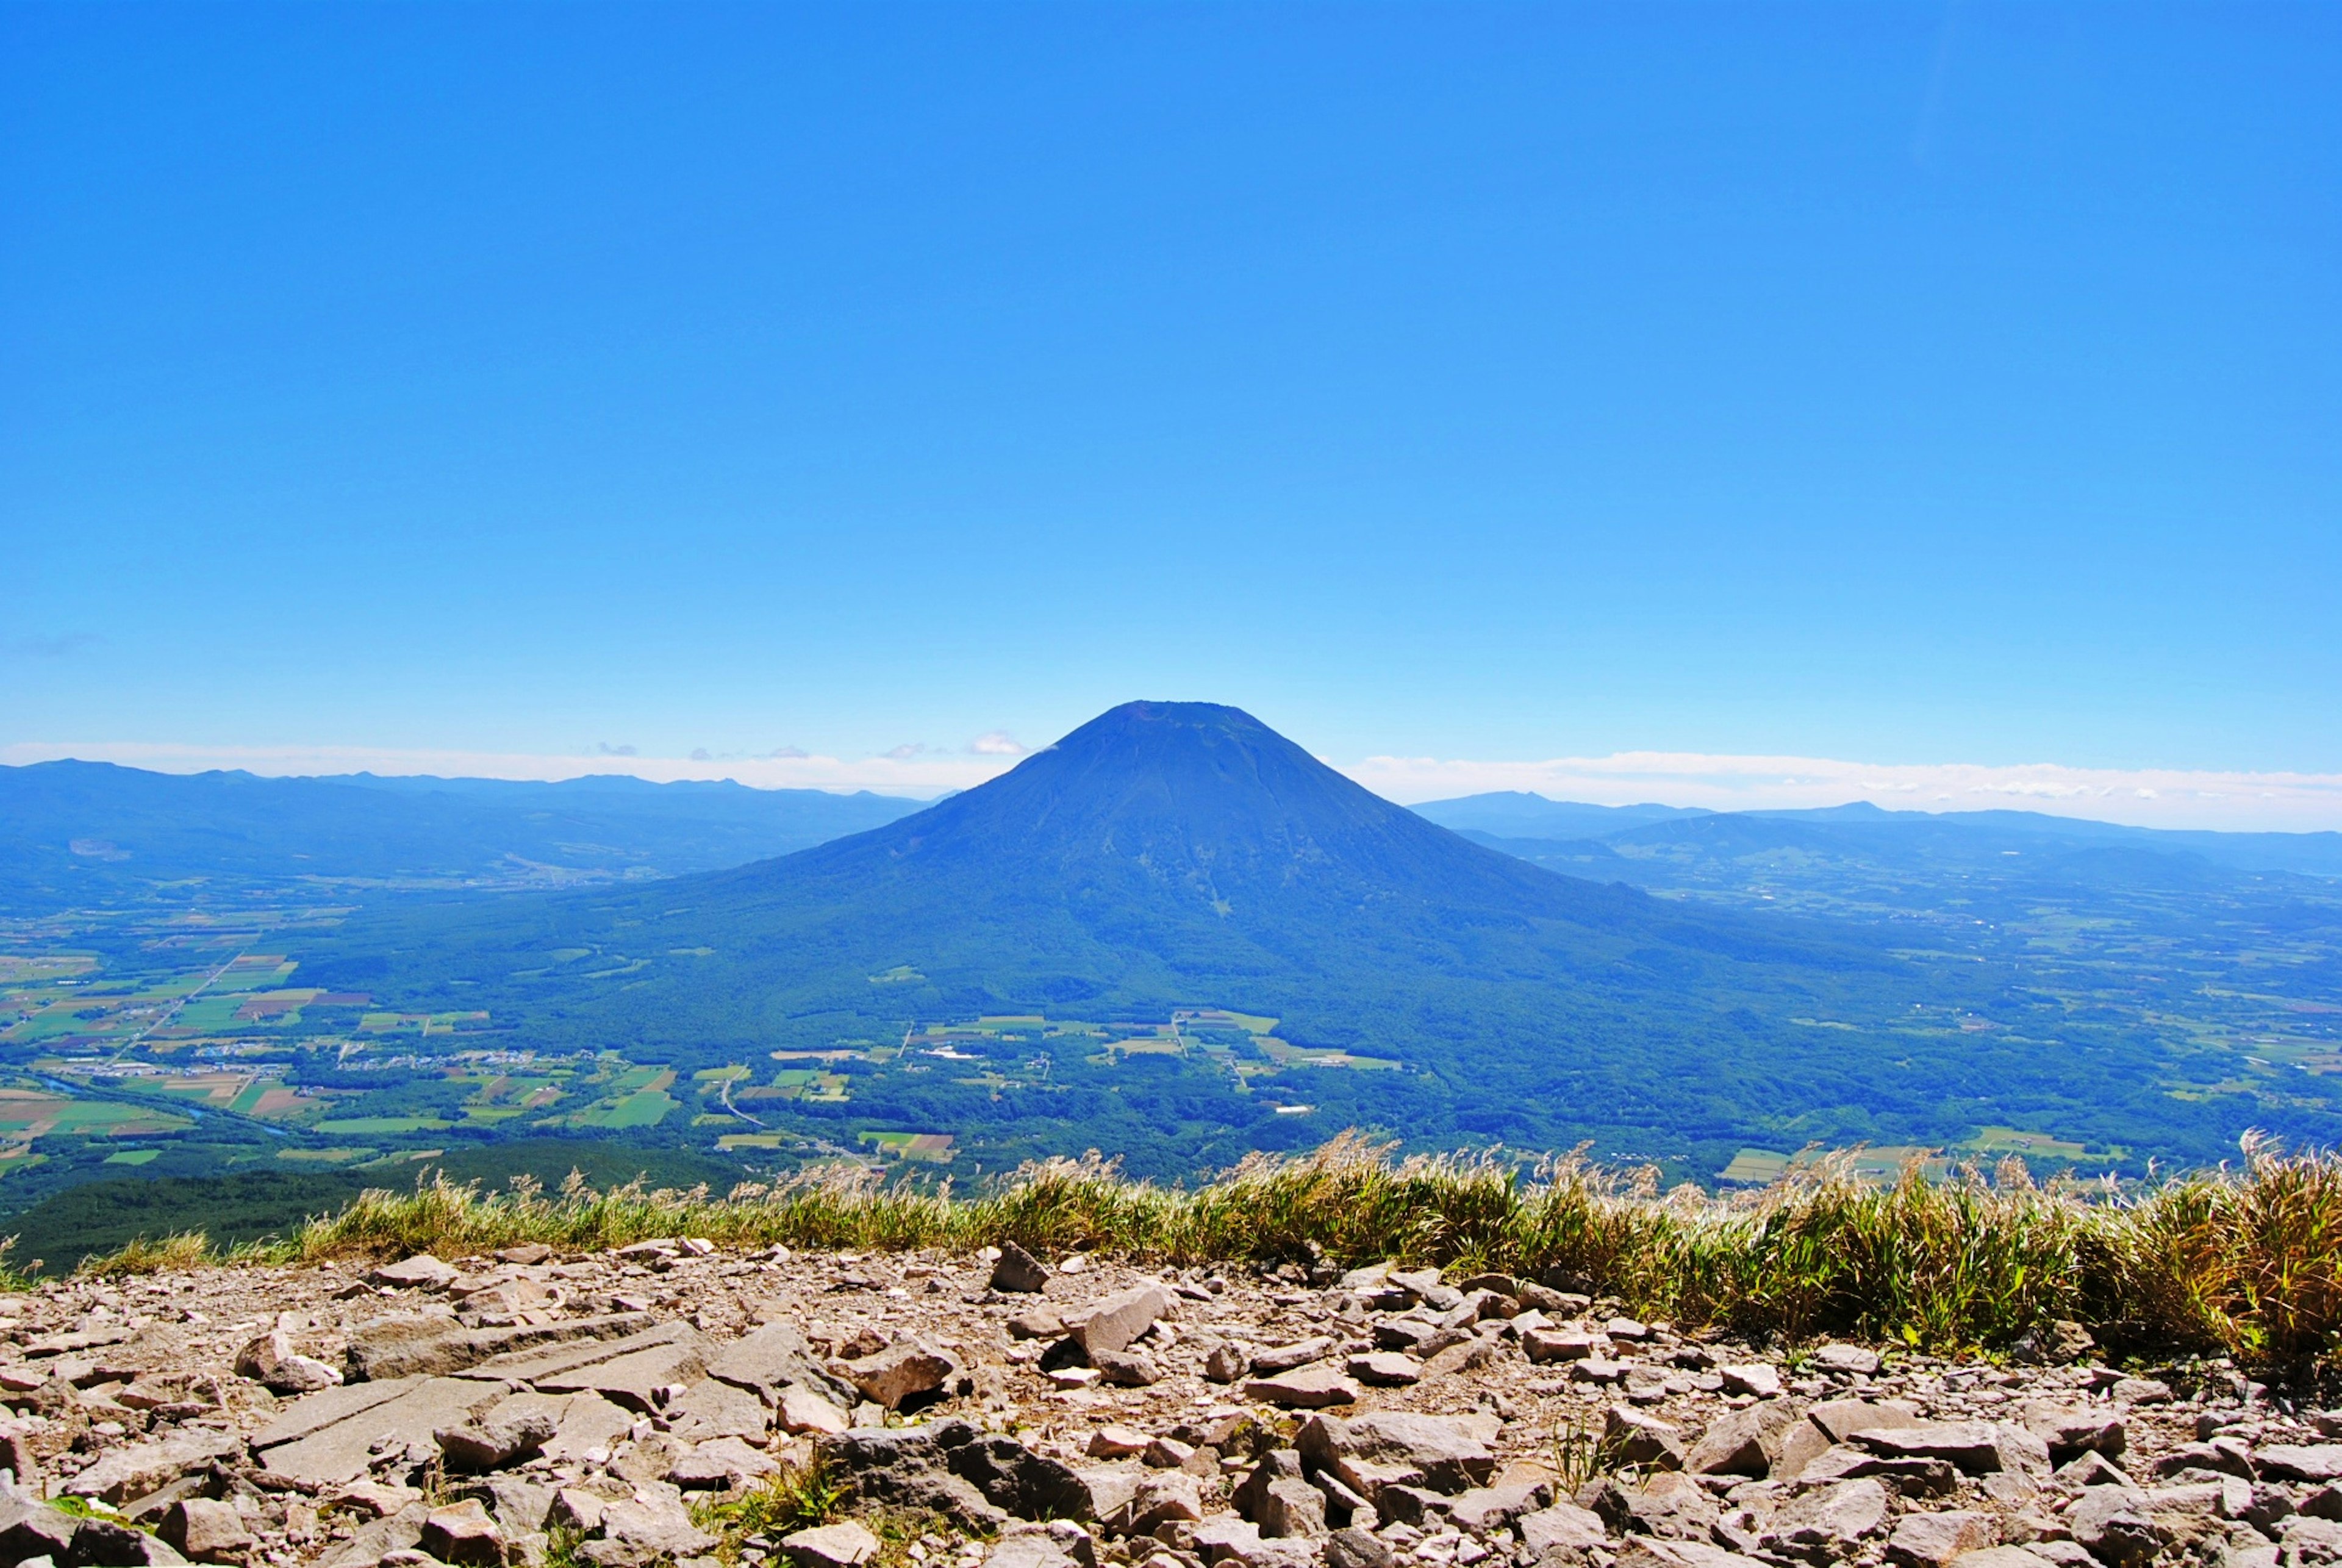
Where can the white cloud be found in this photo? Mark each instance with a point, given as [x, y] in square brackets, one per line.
[996, 743]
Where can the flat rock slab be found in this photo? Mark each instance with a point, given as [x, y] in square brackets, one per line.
[770, 1359]
[1973, 1447]
[529, 1366]
[316, 1412]
[710, 1409]
[2301, 1462]
[846, 1545]
[336, 1454]
[1309, 1388]
[123, 1473]
[587, 1421]
[632, 1379]
[439, 1346]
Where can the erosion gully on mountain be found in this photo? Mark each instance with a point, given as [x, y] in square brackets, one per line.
[615, 1408]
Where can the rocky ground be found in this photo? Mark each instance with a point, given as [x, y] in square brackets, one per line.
[637, 1406]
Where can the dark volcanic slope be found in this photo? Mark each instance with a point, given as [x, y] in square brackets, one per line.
[1177, 855]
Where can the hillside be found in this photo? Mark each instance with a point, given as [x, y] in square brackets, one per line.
[1184, 855]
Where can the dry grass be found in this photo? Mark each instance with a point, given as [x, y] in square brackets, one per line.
[2246, 1260]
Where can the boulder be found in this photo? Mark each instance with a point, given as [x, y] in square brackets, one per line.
[1309, 1388]
[1484, 1510]
[841, 1545]
[651, 1526]
[1441, 1453]
[497, 1440]
[2111, 1523]
[901, 1373]
[1932, 1540]
[1354, 1548]
[205, 1531]
[1126, 1369]
[1827, 1520]
[1285, 1357]
[421, 1271]
[1159, 1499]
[1971, 1447]
[1753, 1377]
[1276, 1465]
[1631, 1437]
[802, 1410]
[773, 1358]
[905, 1467]
[1852, 1359]
[1565, 1524]
[271, 1362]
[1019, 1271]
[1744, 1442]
[1014, 1478]
[30, 1528]
[2071, 1431]
[463, 1534]
[718, 1462]
[137, 1469]
[1293, 1509]
[330, 1437]
[1111, 1322]
[1383, 1369]
[1227, 1362]
[2301, 1462]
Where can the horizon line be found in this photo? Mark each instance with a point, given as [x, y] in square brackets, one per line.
[2181, 799]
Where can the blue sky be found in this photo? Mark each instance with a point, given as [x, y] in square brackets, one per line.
[1913, 385]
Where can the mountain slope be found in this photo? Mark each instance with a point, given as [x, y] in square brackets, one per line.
[1183, 855]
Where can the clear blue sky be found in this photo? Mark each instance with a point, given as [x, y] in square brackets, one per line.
[1896, 382]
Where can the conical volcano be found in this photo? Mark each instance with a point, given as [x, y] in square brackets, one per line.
[1180, 855]
[1187, 808]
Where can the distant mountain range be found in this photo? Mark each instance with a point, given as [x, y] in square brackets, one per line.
[1537, 829]
[77, 832]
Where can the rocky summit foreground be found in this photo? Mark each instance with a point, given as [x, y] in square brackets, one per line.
[607, 1408]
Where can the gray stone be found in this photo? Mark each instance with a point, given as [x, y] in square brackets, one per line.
[2111, 1523]
[1972, 1447]
[1383, 1369]
[374, 1540]
[901, 1373]
[137, 1469]
[1292, 1509]
[842, 1545]
[1484, 1510]
[1909, 1477]
[1934, 1539]
[1227, 1539]
[599, 1339]
[1355, 1548]
[1126, 1369]
[802, 1410]
[2141, 1391]
[463, 1534]
[2301, 1462]
[1227, 1362]
[1018, 1270]
[1845, 1358]
[1308, 1388]
[1285, 1357]
[420, 1271]
[1160, 1498]
[719, 1462]
[2002, 1557]
[497, 1440]
[647, 1527]
[1276, 1465]
[1751, 1377]
[2072, 1430]
[2093, 1469]
[1829, 1519]
[1112, 1322]
[30, 1528]
[1442, 1453]
[337, 1453]
[771, 1359]
[1744, 1442]
[205, 1531]
[710, 1409]
[633, 1379]
[1565, 1524]
[434, 1344]
[271, 1362]
[587, 1421]
[1631, 1437]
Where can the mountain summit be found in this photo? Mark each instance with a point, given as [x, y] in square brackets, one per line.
[1184, 807]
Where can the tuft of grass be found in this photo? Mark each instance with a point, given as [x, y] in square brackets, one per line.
[2246, 1260]
[182, 1250]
